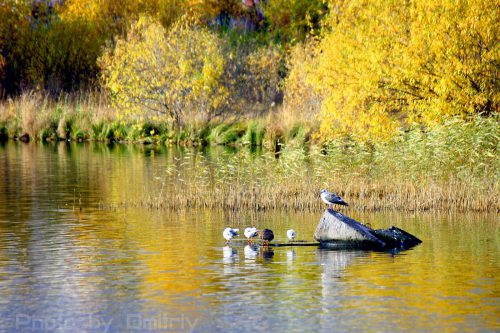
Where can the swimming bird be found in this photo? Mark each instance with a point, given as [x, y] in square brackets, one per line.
[291, 234]
[250, 232]
[331, 198]
[265, 235]
[229, 233]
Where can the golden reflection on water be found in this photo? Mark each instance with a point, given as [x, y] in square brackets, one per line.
[113, 262]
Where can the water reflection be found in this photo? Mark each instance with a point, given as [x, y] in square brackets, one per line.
[104, 267]
[266, 253]
[290, 256]
[251, 251]
[335, 262]
[230, 255]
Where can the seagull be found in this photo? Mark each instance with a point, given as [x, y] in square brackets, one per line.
[331, 198]
[250, 232]
[291, 234]
[229, 233]
[265, 235]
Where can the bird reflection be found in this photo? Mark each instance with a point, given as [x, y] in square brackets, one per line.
[250, 251]
[290, 256]
[266, 253]
[230, 255]
[335, 262]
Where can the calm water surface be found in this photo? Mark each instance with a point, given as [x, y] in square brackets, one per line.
[66, 269]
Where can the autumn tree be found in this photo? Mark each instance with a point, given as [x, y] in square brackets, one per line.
[294, 20]
[386, 64]
[40, 49]
[175, 73]
[115, 16]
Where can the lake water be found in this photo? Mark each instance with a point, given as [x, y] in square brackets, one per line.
[72, 261]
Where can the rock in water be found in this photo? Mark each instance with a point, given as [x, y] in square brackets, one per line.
[336, 230]
[25, 138]
[336, 227]
[396, 238]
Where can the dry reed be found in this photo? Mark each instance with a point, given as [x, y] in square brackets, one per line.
[399, 196]
[293, 183]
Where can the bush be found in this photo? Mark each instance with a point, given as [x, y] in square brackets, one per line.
[302, 102]
[387, 64]
[177, 74]
[294, 20]
[40, 51]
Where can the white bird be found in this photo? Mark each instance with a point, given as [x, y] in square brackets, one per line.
[250, 232]
[331, 198]
[229, 233]
[291, 234]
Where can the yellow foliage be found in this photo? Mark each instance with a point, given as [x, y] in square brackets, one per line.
[261, 75]
[176, 73]
[40, 49]
[386, 64]
[87, 9]
[301, 101]
[294, 20]
[115, 16]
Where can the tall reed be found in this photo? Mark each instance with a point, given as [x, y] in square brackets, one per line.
[292, 180]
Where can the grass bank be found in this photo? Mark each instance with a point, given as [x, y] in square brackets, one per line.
[89, 117]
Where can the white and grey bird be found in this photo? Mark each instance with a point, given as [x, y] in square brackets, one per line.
[230, 233]
[250, 232]
[331, 198]
[291, 234]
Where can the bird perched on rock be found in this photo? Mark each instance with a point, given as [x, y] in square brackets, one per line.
[331, 198]
[291, 234]
[265, 235]
[229, 234]
[250, 232]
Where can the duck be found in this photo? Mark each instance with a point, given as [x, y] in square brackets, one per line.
[266, 236]
[291, 234]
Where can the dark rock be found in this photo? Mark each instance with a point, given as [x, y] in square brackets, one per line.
[337, 231]
[3, 134]
[396, 238]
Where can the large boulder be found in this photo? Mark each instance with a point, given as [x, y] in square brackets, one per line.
[336, 230]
